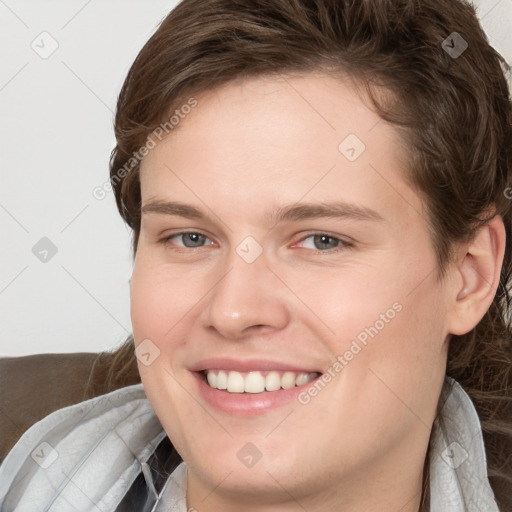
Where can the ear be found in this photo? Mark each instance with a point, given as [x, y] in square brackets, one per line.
[478, 273]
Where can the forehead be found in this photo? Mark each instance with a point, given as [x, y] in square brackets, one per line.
[280, 139]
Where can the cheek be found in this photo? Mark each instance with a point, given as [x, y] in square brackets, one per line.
[159, 303]
[385, 332]
[159, 300]
[398, 369]
[350, 303]
[146, 306]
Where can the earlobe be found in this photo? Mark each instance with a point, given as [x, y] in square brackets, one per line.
[479, 269]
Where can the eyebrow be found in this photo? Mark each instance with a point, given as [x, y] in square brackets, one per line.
[336, 209]
[172, 208]
[294, 212]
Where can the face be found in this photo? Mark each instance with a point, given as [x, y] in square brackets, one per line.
[283, 254]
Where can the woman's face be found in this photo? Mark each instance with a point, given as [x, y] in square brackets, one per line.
[279, 243]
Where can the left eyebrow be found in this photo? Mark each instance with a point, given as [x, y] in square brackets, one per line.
[337, 209]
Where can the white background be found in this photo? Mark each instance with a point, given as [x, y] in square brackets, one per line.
[56, 135]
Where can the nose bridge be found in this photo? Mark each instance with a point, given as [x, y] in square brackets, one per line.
[246, 295]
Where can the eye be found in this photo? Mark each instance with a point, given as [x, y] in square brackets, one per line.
[188, 239]
[324, 242]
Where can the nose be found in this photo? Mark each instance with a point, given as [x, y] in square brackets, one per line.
[248, 298]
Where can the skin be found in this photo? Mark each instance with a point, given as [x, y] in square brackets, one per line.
[248, 148]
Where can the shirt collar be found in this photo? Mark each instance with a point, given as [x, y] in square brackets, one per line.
[458, 466]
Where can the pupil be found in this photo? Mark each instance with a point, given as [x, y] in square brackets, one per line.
[324, 239]
[194, 238]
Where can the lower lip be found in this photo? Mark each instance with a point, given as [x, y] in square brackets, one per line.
[248, 404]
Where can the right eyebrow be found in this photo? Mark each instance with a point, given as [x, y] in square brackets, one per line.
[172, 208]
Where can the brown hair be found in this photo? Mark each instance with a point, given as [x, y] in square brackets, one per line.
[454, 112]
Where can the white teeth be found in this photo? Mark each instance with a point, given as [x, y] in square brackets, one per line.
[301, 379]
[222, 380]
[212, 379]
[256, 382]
[273, 381]
[235, 382]
[288, 380]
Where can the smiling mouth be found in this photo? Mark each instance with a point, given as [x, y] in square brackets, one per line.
[256, 381]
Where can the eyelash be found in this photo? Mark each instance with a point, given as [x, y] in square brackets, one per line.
[166, 241]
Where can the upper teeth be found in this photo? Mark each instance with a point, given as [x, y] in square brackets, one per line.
[256, 382]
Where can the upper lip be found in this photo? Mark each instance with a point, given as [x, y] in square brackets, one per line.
[239, 365]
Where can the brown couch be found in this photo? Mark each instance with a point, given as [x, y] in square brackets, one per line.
[31, 387]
